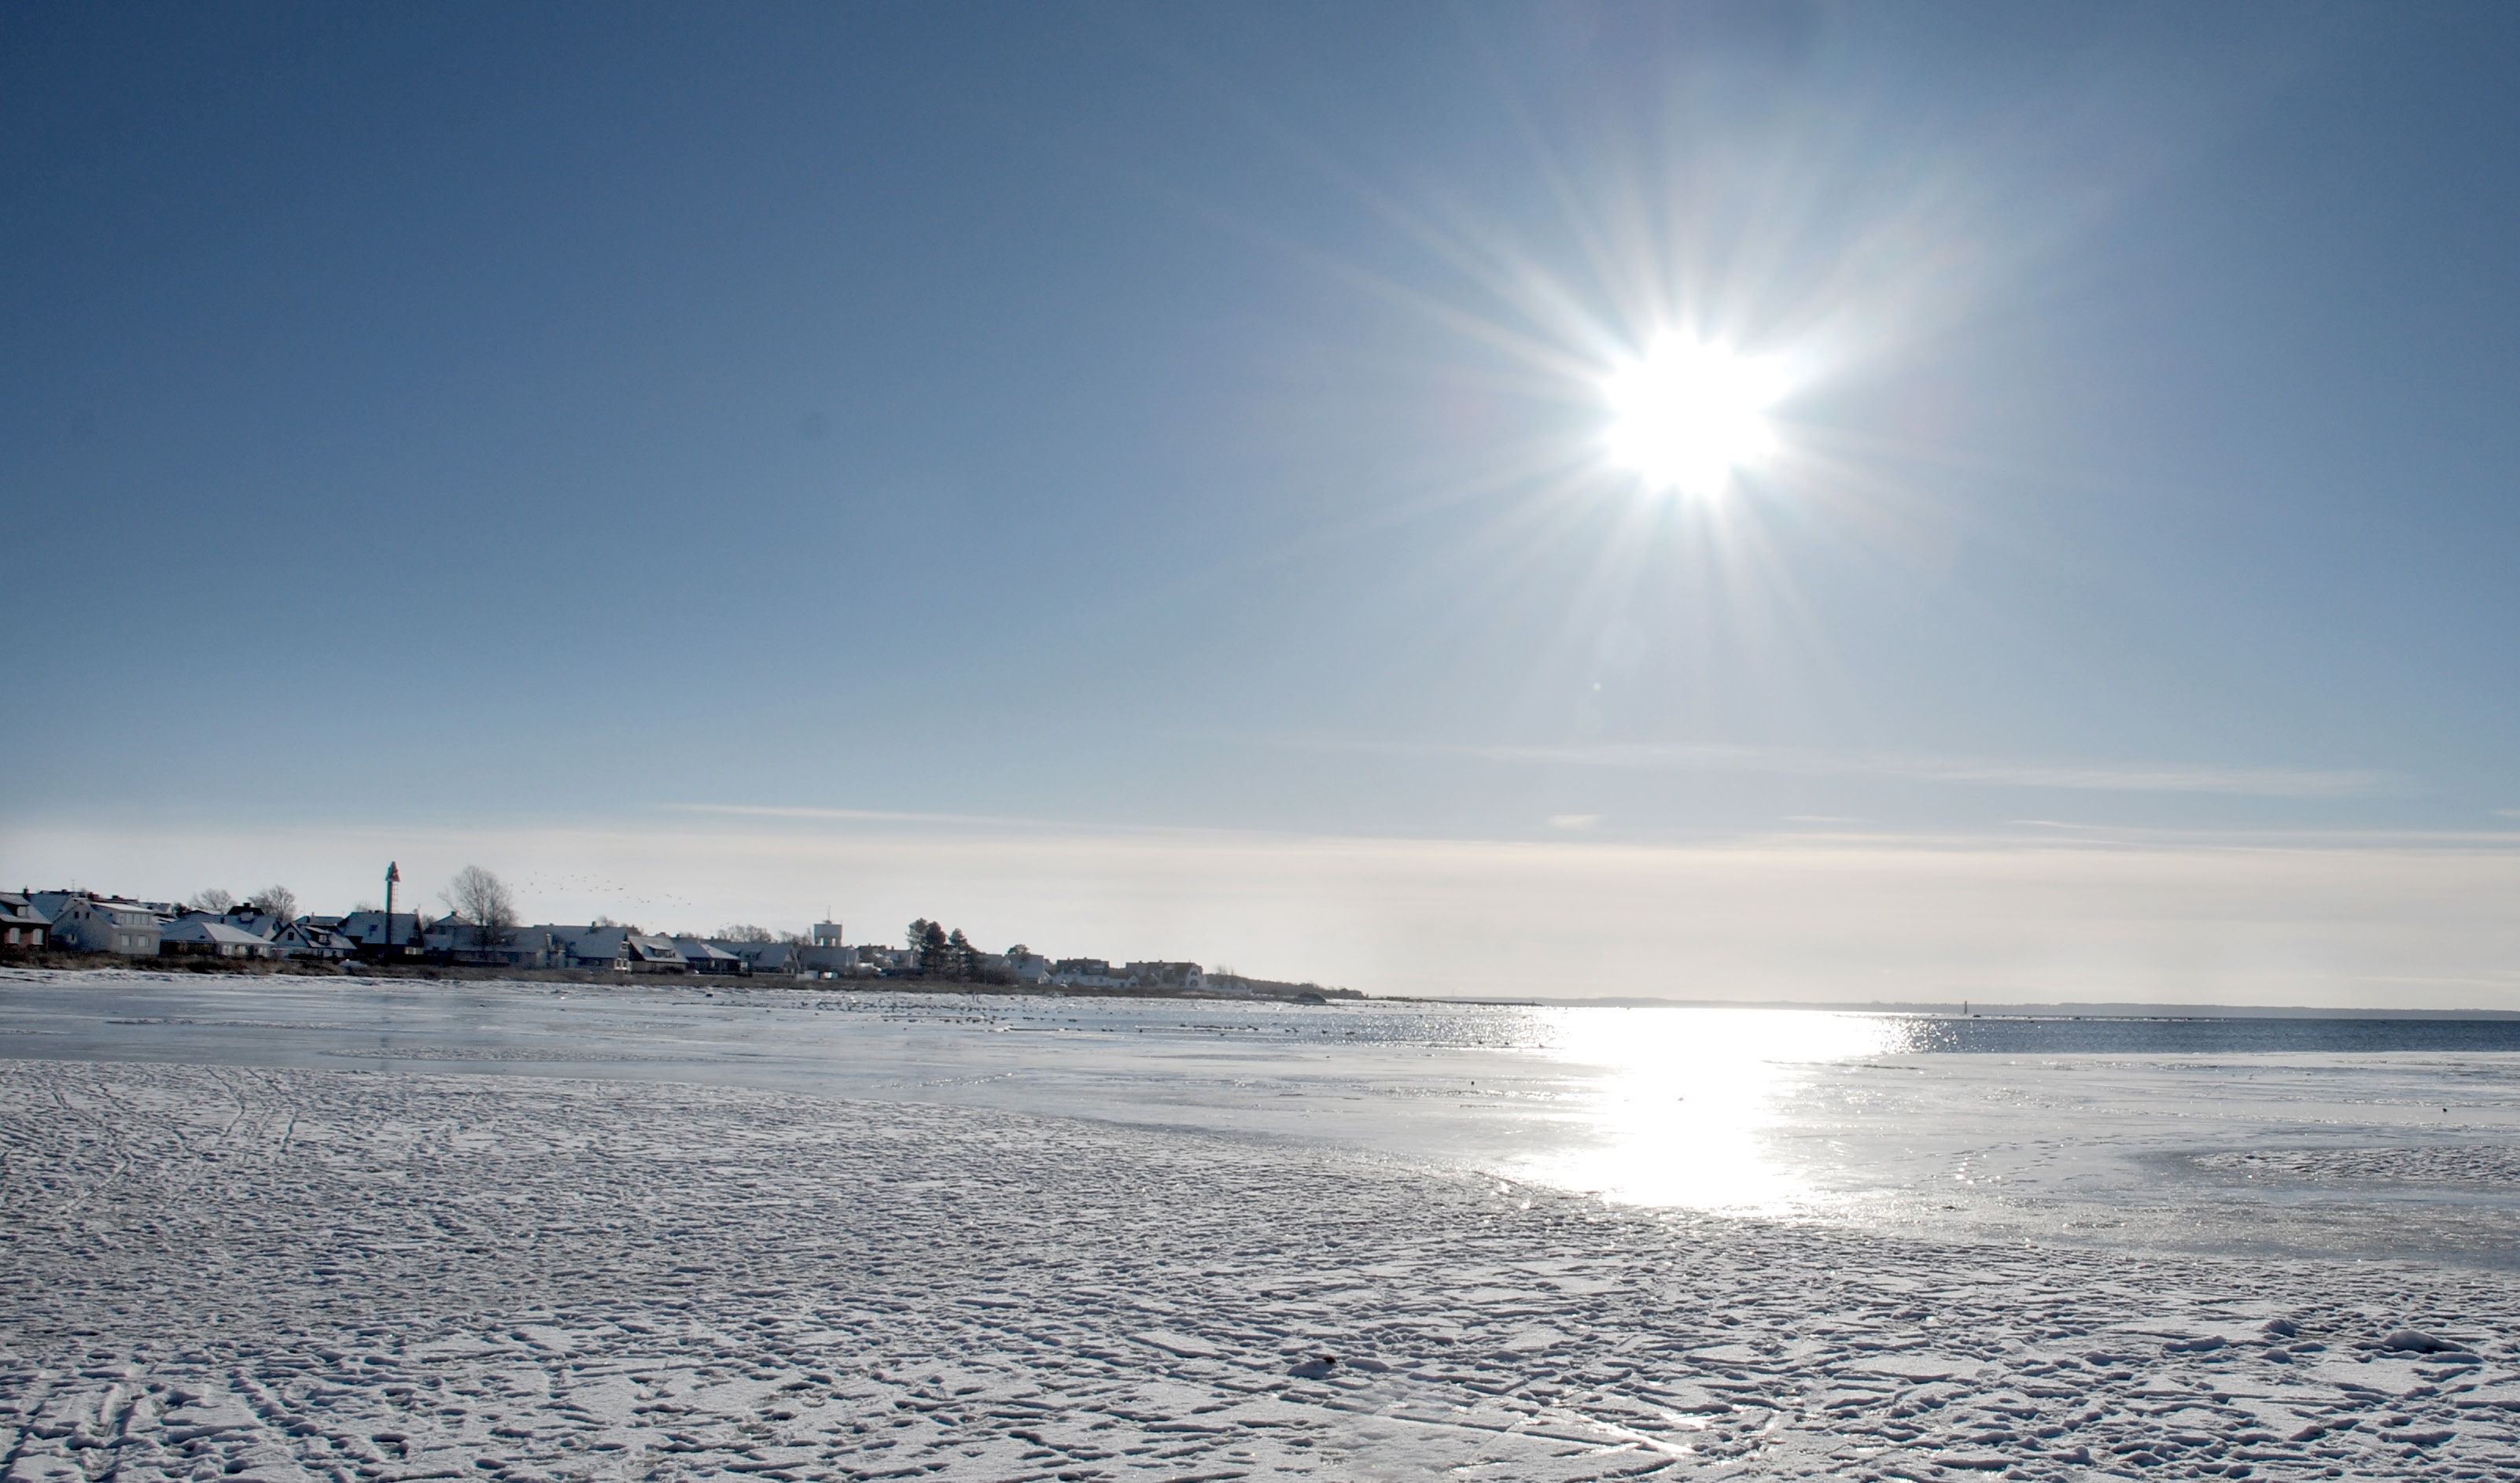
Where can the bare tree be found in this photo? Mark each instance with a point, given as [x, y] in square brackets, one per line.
[481, 900]
[276, 901]
[214, 900]
[737, 931]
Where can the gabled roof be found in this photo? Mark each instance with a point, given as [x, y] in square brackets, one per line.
[759, 953]
[363, 924]
[205, 929]
[655, 948]
[116, 909]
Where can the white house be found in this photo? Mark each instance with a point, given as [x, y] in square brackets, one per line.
[1165, 976]
[1027, 965]
[91, 925]
[48, 903]
[1086, 974]
[211, 938]
[304, 939]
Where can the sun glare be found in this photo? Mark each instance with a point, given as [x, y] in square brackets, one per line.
[1689, 415]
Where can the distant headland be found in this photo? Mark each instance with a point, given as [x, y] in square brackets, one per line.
[479, 934]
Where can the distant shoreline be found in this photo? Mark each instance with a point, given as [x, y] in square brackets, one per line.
[49, 961]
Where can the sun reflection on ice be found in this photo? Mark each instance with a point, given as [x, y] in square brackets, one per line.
[1683, 1107]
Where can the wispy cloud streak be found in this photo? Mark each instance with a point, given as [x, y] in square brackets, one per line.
[2380, 921]
[1986, 772]
[857, 815]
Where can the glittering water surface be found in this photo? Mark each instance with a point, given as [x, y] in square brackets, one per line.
[2352, 1137]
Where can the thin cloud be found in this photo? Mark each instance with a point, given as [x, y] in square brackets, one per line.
[1782, 919]
[1984, 772]
[857, 815]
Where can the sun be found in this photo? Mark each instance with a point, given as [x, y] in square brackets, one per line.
[1688, 416]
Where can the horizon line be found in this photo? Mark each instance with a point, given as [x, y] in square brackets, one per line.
[1955, 1008]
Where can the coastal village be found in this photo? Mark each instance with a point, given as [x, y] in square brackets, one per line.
[478, 931]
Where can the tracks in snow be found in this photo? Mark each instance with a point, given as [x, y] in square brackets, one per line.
[280, 1276]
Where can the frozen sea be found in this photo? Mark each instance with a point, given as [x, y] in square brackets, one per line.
[295, 1230]
[2352, 1138]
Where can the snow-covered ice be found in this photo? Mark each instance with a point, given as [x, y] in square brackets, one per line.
[2371, 1153]
[954, 1239]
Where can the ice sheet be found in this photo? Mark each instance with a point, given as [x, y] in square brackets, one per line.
[2377, 1154]
[282, 1275]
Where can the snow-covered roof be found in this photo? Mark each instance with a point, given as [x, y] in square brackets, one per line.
[656, 948]
[205, 930]
[116, 909]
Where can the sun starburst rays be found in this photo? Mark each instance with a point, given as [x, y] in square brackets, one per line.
[1686, 415]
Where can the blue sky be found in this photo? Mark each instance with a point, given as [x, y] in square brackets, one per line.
[540, 434]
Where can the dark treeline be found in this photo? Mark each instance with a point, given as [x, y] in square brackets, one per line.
[936, 953]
